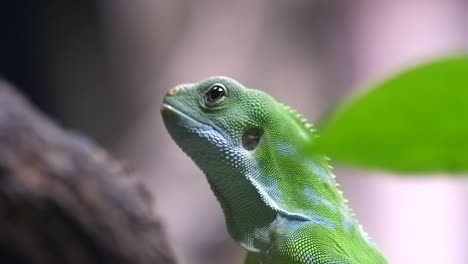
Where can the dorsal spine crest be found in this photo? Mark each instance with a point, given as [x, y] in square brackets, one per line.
[301, 120]
[312, 133]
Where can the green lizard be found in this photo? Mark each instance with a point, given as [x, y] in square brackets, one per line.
[281, 204]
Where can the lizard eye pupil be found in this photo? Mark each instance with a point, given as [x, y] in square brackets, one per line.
[216, 93]
[251, 138]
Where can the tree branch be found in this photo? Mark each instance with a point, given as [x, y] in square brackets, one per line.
[65, 200]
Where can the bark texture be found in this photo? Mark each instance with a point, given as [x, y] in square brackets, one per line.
[65, 200]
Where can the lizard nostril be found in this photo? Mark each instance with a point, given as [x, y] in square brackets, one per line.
[174, 90]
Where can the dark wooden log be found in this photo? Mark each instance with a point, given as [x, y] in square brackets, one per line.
[65, 200]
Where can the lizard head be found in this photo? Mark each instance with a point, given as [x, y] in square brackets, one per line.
[218, 122]
[244, 141]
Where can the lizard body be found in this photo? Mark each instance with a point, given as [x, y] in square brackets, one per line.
[281, 204]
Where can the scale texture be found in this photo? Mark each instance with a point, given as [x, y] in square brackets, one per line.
[281, 204]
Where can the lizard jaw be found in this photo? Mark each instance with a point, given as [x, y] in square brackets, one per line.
[171, 114]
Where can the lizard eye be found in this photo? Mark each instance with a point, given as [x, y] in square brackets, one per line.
[251, 138]
[215, 95]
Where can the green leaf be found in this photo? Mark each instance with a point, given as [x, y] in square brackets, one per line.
[416, 122]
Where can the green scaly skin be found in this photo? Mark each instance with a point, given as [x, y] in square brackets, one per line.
[281, 204]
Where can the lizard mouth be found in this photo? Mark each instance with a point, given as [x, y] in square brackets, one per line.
[173, 116]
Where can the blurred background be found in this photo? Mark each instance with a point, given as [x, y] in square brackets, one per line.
[102, 68]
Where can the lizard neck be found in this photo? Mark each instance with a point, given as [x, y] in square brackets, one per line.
[305, 193]
[249, 219]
